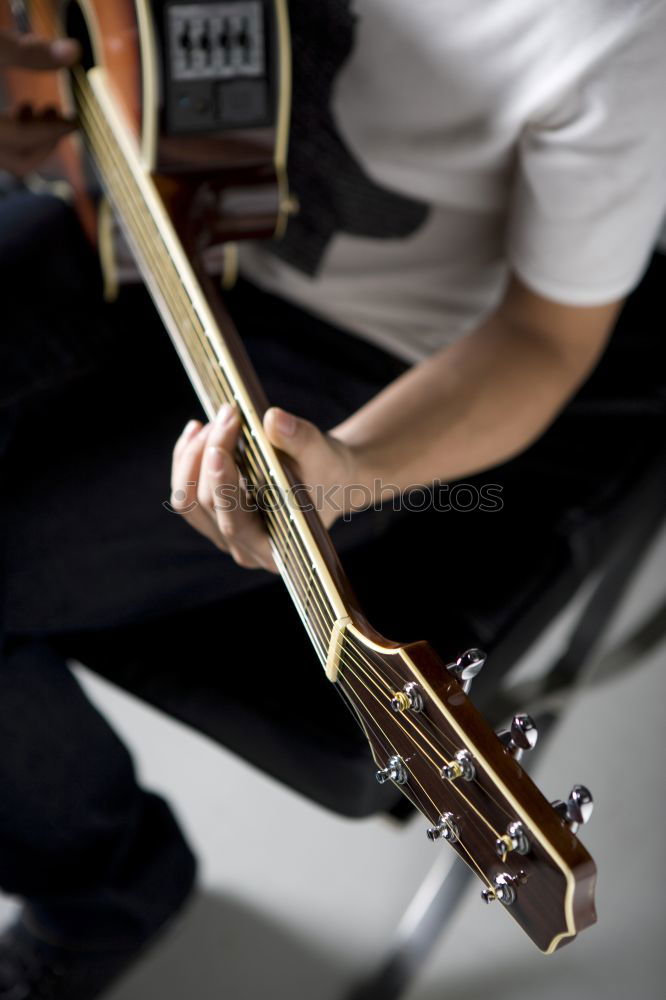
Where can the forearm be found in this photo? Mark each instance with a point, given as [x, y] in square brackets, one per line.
[471, 406]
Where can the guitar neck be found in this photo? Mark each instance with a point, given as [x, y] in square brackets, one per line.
[218, 368]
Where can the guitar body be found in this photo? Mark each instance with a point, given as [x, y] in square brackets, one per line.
[215, 143]
[183, 113]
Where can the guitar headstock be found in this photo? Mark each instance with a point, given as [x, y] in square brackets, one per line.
[429, 739]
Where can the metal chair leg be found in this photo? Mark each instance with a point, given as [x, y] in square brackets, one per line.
[434, 905]
[431, 910]
[437, 899]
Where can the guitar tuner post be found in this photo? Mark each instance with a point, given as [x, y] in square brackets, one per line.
[446, 829]
[504, 888]
[515, 839]
[409, 698]
[462, 766]
[395, 770]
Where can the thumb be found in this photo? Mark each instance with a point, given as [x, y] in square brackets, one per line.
[289, 433]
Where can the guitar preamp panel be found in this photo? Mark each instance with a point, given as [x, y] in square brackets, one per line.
[220, 65]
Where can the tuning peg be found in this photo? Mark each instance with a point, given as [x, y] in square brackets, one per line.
[446, 829]
[522, 735]
[395, 770]
[503, 888]
[577, 809]
[515, 839]
[462, 766]
[409, 697]
[467, 666]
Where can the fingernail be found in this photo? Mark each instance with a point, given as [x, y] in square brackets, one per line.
[286, 424]
[225, 414]
[215, 460]
[190, 427]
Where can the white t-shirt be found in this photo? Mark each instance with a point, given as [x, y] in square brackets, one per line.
[475, 136]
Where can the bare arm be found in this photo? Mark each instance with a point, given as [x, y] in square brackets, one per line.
[469, 407]
[482, 400]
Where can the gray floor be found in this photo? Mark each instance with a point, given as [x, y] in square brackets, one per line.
[296, 903]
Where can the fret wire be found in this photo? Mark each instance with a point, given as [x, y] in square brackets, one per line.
[321, 621]
[320, 610]
[303, 609]
[251, 447]
[321, 650]
[250, 443]
[205, 374]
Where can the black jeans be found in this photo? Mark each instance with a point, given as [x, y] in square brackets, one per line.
[94, 400]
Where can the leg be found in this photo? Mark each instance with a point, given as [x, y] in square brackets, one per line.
[94, 856]
[54, 323]
[97, 859]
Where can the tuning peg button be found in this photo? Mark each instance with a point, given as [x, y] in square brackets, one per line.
[467, 666]
[522, 735]
[503, 888]
[446, 829]
[395, 770]
[577, 809]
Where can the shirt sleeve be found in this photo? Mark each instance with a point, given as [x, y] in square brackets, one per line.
[589, 194]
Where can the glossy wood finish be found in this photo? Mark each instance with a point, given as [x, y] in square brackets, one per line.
[555, 895]
[212, 173]
[556, 900]
[49, 90]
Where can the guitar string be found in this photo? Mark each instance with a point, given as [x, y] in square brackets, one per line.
[321, 611]
[308, 589]
[428, 796]
[206, 375]
[312, 631]
[303, 609]
[314, 637]
[250, 448]
[452, 785]
[441, 735]
[308, 586]
[459, 841]
[357, 648]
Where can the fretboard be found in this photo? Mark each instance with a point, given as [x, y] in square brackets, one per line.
[207, 358]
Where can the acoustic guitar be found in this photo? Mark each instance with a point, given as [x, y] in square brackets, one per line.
[184, 116]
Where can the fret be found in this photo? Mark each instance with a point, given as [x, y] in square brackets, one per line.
[424, 733]
[199, 342]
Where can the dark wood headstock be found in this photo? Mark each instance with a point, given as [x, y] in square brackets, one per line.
[150, 143]
[428, 738]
